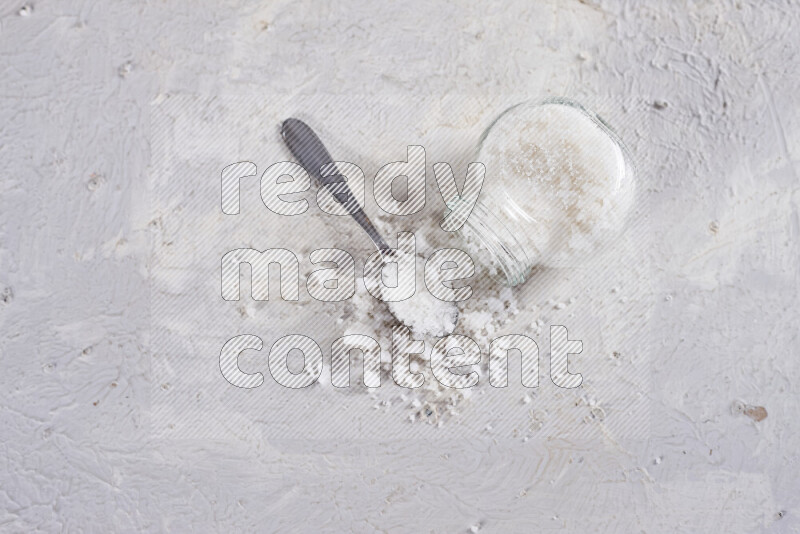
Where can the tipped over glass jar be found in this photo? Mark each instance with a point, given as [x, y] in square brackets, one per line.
[559, 184]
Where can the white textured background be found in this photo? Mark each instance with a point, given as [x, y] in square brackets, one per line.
[723, 141]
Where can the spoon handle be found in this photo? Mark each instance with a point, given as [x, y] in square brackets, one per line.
[304, 144]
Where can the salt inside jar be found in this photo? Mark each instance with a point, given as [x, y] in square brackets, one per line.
[559, 184]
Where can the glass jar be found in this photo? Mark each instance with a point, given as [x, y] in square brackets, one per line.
[559, 184]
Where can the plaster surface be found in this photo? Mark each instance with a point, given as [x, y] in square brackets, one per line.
[705, 95]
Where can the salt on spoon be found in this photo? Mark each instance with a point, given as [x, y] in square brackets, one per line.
[423, 313]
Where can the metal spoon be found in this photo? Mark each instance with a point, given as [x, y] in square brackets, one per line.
[432, 317]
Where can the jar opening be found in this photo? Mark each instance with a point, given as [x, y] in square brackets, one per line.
[493, 245]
